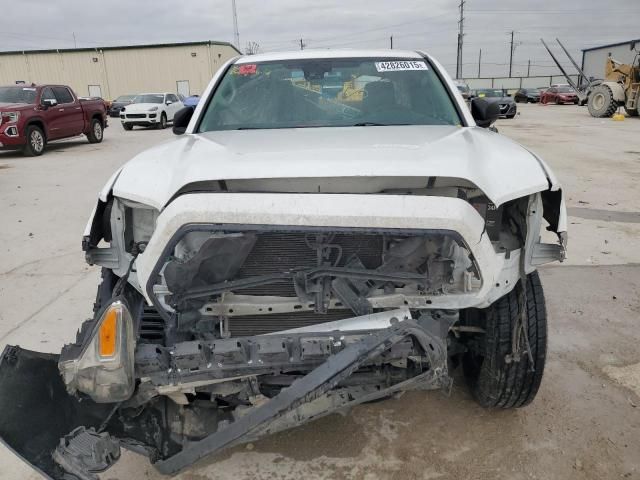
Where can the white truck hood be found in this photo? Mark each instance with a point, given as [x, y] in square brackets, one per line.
[501, 168]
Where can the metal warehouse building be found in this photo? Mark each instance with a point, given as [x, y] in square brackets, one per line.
[108, 72]
[594, 59]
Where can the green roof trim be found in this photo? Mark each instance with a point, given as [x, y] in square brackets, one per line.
[122, 47]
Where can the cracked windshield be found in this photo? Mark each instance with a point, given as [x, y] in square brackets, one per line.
[329, 93]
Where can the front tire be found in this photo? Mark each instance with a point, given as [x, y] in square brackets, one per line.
[36, 142]
[601, 103]
[163, 121]
[127, 126]
[96, 132]
[494, 382]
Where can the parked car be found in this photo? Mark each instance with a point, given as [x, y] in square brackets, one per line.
[272, 266]
[150, 110]
[32, 116]
[559, 95]
[463, 88]
[118, 103]
[508, 108]
[527, 95]
[191, 101]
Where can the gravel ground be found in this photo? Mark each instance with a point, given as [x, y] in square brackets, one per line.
[585, 422]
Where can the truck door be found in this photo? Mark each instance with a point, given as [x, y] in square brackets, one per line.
[72, 115]
[52, 115]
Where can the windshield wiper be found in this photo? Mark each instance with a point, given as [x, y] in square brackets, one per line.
[376, 124]
[370, 124]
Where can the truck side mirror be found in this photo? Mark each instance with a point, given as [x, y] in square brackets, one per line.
[181, 120]
[483, 112]
[49, 102]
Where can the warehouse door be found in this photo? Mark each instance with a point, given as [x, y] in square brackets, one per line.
[95, 91]
[183, 87]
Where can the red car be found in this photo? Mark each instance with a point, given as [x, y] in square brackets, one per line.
[33, 115]
[559, 95]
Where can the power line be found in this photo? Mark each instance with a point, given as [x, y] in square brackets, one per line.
[547, 12]
[360, 32]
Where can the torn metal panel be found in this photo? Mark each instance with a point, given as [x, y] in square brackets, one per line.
[308, 388]
[374, 321]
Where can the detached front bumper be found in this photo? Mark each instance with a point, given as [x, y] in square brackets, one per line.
[50, 429]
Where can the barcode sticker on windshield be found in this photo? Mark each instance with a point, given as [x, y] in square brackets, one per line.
[401, 65]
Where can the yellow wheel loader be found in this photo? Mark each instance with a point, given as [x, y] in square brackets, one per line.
[619, 88]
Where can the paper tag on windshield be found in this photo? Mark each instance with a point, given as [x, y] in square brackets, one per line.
[401, 65]
[248, 69]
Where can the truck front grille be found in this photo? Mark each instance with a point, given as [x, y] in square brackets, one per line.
[275, 252]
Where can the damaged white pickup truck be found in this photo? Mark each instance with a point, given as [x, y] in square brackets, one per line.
[330, 228]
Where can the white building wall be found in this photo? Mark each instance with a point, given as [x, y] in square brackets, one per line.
[119, 71]
[595, 60]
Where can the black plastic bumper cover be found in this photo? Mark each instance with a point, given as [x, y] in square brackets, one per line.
[36, 410]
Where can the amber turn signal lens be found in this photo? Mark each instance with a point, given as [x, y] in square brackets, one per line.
[108, 333]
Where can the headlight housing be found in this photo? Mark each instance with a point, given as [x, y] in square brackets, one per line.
[9, 117]
[103, 366]
[153, 109]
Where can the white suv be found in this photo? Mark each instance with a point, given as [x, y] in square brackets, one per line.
[331, 228]
[150, 109]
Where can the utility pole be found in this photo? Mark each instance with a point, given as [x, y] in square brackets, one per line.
[301, 45]
[479, 60]
[236, 33]
[75, 44]
[511, 54]
[460, 40]
[529, 68]
[391, 40]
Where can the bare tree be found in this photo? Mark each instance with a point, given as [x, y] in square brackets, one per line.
[252, 48]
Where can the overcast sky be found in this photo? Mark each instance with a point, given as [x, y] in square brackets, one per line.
[430, 25]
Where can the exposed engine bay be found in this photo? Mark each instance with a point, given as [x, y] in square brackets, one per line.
[221, 283]
[252, 329]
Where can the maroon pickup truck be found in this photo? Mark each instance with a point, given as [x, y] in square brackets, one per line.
[33, 115]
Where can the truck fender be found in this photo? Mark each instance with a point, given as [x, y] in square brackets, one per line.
[40, 122]
[94, 225]
[617, 90]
